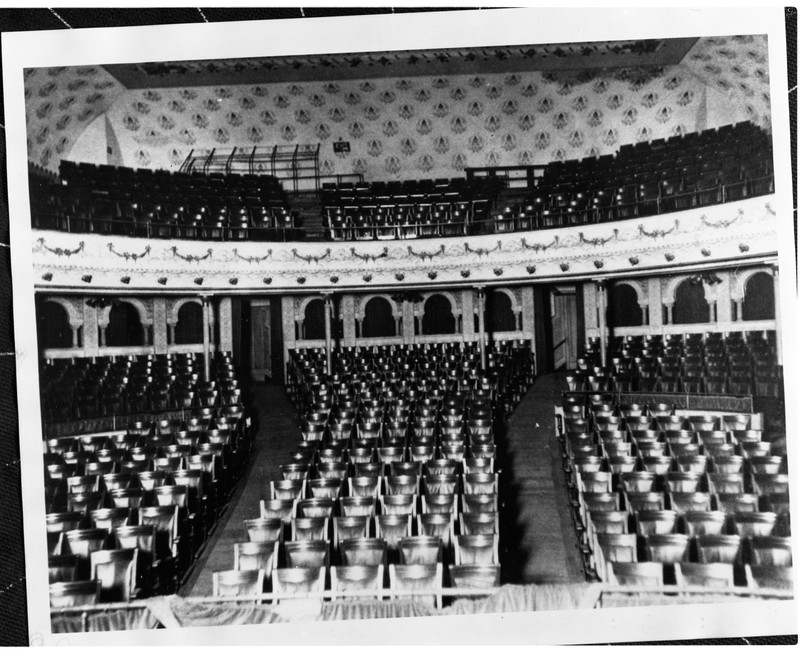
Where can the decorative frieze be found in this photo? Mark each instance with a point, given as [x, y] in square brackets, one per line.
[699, 237]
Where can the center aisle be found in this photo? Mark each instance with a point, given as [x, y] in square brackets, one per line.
[538, 529]
[276, 440]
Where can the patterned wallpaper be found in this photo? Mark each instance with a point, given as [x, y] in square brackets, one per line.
[60, 103]
[416, 127]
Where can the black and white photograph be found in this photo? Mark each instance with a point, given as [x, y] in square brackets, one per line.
[443, 326]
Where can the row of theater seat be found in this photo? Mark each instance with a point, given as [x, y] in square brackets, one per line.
[674, 364]
[388, 485]
[714, 166]
[146, 203]
[673, 492]
[395, 210]
[83, 388]
[128, 512]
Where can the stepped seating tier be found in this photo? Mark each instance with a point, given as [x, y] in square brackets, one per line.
[731, 163]
[394, 487]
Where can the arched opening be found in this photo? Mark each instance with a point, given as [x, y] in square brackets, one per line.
[378, 319]
[690, 303]
[53, 326]
[759, 298]
[499, 315]
[189, 328]
[438, 318]
[624, 310]
[314, 320]
[124, 326]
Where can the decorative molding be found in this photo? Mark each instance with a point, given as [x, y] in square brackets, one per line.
[722, 223]
[598, 241]
[190, 257]
[367, 257]
[308, 259]
[424, 255]
[658, 233]
[750, 239]
[482, 251]
[57, 250]
[539, 247]
[129, 256]
[252, 258]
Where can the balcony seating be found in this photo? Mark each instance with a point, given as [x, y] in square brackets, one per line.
[646, 180]
[121, 201]
[453, 207]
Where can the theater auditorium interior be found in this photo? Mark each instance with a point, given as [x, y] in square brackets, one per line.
[406, 333]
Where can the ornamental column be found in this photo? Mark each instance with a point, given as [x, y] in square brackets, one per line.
[326, 297]
[206, 339]
[600, 286]
[777, 292]
[481, 326]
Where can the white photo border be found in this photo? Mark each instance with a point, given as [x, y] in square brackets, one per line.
[471, 28]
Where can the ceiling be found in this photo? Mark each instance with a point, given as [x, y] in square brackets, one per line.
[578, 57]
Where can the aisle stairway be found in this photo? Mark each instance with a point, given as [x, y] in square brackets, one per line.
[307, 206]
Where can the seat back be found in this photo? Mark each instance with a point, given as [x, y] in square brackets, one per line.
[364, 551]
[349, 527]
[115, 572]
[655, 522]
[298, 580]
[309, 528]
[698, 523]
[356, 578]
[709, 575]
[418, 582]
[393, 527]
[281, 509]
[667, 548]
[420, 550]
[618, 547]
[476, 549]
[475, 577]
[264, 529]
[644, 573]
[74, 594]
[231, 583]
[769, 551]
[256, 556]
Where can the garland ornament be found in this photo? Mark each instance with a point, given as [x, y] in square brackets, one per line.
[311, 258]
[370, 257]
[539, 247]
[190, 258]
[58, 250]
[482, 251]
[722, 223]
[127, 255]
[424, 255]
[658, 233]
[598, 241]
[252, 258]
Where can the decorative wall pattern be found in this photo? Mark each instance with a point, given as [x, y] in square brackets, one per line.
[420, 127]
[60, 103]
[742, 231]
